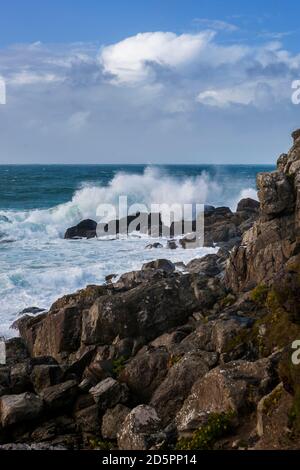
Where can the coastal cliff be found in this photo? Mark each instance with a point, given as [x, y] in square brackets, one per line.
[162, 358]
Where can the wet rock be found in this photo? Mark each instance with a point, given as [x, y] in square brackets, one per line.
[113, 420]
[85, 229]
[140, 429]
[172, 245]
[32, 310]
[154, 245]
[208, 265]
[19, 408]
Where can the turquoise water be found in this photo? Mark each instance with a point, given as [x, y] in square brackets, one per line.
[38, 203]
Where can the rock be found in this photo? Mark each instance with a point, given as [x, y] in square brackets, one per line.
[163, 264]
[45, 375]
[208, 265]
[147, 310]
[113, 420]
[140, 429]
[61, 395]
[16, 351]
[109, 393]
[20, 378]
[88, 421]
[16, 409]
[275, 193]
[266, 406]
[248, 205]
[110, 278]
[154, 245]
[144, 373]
[229, 388]
[183, 372]
[85, 229]
[172, 245]
[54, 334]
[32, 310]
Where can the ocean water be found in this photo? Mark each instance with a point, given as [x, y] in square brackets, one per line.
[38, 203]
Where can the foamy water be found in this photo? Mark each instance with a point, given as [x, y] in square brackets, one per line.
[37, 265]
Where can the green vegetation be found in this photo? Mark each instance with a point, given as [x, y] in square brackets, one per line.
[217, 426]
[97, 444]
[118, 365]
[259, 295]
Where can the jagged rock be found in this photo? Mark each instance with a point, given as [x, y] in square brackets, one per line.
[154, 245]
[20, 377]
[16, 351]
[275, 193]
[229, 388]
[163, 264]
[85, 229]
[172, 245]
[109, 393]
[147, 310]
[54, 334]
[19, 408]
[88, 421]
[183, 373]
[61, 395]
[208, 265]
[113, 420]
[140, 429]
[248, 205]
[145, 372]
[45, 375]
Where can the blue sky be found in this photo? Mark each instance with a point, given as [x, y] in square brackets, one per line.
[148, 81]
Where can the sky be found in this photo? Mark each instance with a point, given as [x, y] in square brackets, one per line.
[157, 81]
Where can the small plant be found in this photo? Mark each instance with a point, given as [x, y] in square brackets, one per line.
[173, 360]
[118, 365]
[259, 295]
[97, 444]
[217, 426]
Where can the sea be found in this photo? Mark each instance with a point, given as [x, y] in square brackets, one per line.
[39, 202]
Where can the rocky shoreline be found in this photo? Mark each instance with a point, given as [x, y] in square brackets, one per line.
[165, 359]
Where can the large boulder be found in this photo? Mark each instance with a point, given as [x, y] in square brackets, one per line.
[85, 229]
[60, 396]
[145, 372]
[113, 420]
[182, 374]
[140, 429]
[147, 310]
[109, 393]
[15, 409]
[233, 387]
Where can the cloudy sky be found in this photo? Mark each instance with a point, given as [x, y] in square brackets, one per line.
[138, 82]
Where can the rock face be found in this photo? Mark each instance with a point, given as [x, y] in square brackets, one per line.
[274, 238]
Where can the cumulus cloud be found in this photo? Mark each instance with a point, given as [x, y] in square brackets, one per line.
[129, 61]
[156, 96]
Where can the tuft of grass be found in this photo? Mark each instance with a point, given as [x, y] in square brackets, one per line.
[118, 365]
[259, 295]
[217, 426]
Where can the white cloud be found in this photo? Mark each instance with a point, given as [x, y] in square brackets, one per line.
[129, 61]
[216, 25]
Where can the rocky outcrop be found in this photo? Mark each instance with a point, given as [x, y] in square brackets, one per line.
[85, 229]
[274, 237]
